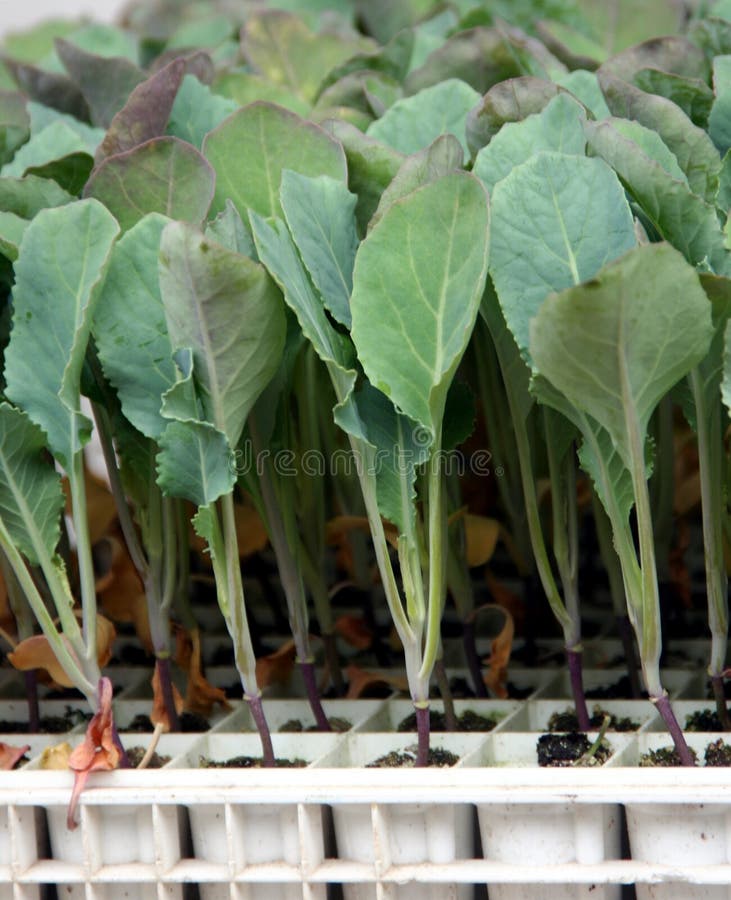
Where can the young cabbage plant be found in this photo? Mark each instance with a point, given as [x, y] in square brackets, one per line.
[417, 281]
[605, 353]
[135, 353]
[226, 323]
[541, 243]
[58, 274]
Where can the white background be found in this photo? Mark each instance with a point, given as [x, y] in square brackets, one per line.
[17, 14]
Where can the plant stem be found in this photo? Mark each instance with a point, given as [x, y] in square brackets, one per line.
[162, 664]
[77, 487]
[474, 663]
[445, 692]
[307, 667]
[676, 733]
[124, 762]
[422, 730]
[594, 749]
[574, 658]
[257, 711]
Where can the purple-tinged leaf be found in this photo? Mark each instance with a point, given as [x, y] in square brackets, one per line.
[49, 88]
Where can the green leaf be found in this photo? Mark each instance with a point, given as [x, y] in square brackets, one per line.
[278, 253]
[400, 446]
[62, 263]
[244, 88]
[710, 368]
[509, 101]
[33, 44]
[651, 144]
[614, 346]
[280, 47]
[227, 310]
[14, 124]
[49, 88]
[12, 229]
[559, 126]
[71, 172]
[674, 54]
[371, 167]
[49, 145]
[105, 83]
[31, 498]
[443, 156]
[320, 215]
[165, 175]
[692, 95]
[544, 234]
[585, 87]
[417, 284]
[29, 195]
[390, 62]
[269, 139]
[680, 216]
[195, 462]
[415, 122]
[130, 329]
[718, 126]
[692, 147]
[197, 110]
[459, 416]
[229, 230]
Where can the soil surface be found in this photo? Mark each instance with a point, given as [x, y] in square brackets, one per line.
[665, 756]
[468, 721]
[248, 762]
[567, 721]
[563, 750]
[399, 759]
[703, 720]
[718, 754]
[135, 754]
[337, 724]
[620, 690]
[190, 723]
[48, 724]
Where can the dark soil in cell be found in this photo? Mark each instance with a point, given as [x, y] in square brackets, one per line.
[563, 750]
[468, 721]
[248, 762]
[294, 726]
[718, 754]
[703, 720]
[518, 693]
[135, 754]
[399, 759]
[665, 756]
[48, 724]
[619, 690]
[567, 721]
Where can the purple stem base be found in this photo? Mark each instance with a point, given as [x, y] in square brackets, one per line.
[422, 729]
[166, 683]
[257, 711]
[31, 693]
[576, 666]
[626, 635]
[676, 732]
[124, 762]
[719, 695]
[474, 663]
[310, 680]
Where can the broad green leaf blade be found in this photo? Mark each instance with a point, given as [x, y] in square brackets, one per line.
[52, 143]
[615, 345]
[229, 230]
[445, 155]
[130, 327]
[415, 122]
[197, 110]
[692, 95]
[195, 462]
[692, 147]
[12, 229]
[61, 267]
[544, 232]
[585, 87]
[673, 53]
[165, 175]
[245, 88]
[718, 125]
[681, 217]
[31, 498]
[252, 148]
[29, 195]
[228, 311]
[417, 284]
[320, 215]
[651, 145]
[280, 47]
[371, 167]
[710, 368]
[71, 172]
[53, 89]
[400, 446]
[559, 127]
[278, 253]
